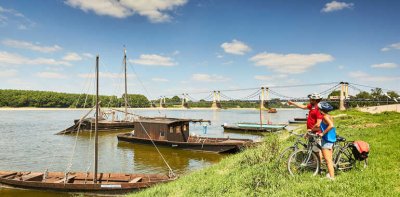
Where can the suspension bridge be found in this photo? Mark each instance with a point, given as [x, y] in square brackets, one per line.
[263, 96]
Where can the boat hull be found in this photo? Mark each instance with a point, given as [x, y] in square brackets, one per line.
[102, 126]
[225, 146]
[110, 183]
[249, 129]
[261, 126]
[297, 122]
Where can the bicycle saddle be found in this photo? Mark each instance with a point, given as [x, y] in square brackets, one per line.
[340, 139]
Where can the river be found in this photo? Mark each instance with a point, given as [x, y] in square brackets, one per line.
[28, 143]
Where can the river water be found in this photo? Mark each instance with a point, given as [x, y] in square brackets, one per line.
[28, 143]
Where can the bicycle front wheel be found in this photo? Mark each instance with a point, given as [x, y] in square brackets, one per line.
[303, 162]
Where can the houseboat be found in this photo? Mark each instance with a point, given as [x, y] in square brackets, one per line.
[174, 132]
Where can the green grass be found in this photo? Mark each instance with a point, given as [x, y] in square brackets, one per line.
[254, 173]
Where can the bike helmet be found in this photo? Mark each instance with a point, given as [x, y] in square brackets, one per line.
[325, 107]
[315, 96]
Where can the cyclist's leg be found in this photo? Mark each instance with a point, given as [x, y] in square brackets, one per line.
[327, 153]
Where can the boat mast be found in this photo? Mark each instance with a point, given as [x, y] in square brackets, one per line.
[96, 122]
[126, 88]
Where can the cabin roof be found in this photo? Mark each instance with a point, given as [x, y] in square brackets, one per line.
[162, 120]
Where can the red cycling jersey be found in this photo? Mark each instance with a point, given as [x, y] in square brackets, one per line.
[313, 116]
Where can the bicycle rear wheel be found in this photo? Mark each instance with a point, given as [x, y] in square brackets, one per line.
[345, 160]
[303, 162]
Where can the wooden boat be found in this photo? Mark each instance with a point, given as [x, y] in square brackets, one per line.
[174, 133]
[300, 119]
[84, 181]
[272, 110]
[297, 122]
[81, 182]
[258, 125]
[105, 124]
[254, 127]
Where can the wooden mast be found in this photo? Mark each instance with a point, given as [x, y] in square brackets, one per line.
[96, 138]
[126, 88]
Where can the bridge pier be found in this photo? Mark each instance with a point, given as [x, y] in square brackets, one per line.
[184, 101]
[262, 98]
[162, 102]
[344, 94]
[216, 100]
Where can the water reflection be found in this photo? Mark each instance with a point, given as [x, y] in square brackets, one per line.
[181, 161]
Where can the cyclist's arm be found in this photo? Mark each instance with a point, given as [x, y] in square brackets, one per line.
[297, 105]
[317, 125]
[330, 125]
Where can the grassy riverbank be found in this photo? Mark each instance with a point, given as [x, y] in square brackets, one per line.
[254, 172]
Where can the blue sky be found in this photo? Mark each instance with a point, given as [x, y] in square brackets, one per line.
[178, 46]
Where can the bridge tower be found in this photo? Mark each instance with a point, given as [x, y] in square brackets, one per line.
[216, 100]
[344, 94]
[162, 102]
[262, 98]
[185, 100]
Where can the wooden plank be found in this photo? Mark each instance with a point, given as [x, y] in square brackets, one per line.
[135, 180]
[8, 174]
[31, 176]
[65, 180]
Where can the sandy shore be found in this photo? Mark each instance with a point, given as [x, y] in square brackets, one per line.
[77, 109]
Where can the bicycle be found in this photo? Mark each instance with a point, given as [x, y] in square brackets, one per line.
[284, 155]
[307, 161]
[344, 158]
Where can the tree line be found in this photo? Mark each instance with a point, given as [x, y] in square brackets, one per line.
[375, 97]
[47, 99]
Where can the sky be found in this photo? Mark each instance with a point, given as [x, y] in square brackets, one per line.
[188, 46]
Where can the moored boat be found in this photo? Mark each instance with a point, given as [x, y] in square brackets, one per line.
[300, 119]
[296, 122]
[254, 127]
[174, 133]
[106, 183]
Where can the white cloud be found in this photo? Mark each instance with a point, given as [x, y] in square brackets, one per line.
[270, 77]
[384, 65]
[228, 63]
[14, 18]
[72, 57]
[336, 6]
[8, 73]
[88, 55]
[7, 58]
[108, 75]
[393, 46]
[209, 78]
[235, 47]
[154, 10]
[290, 63]
[154, 60]
[340, 67]
[51, 75]
[30, 46]
[160, 79]
[362, 76]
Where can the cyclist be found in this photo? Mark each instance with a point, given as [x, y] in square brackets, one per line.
[328, 134]
[314, 117]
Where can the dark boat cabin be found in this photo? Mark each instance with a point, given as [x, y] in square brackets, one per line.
[169, 129]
